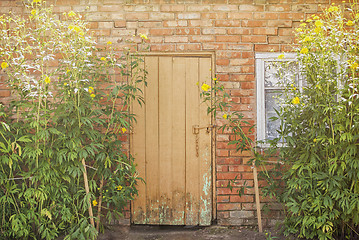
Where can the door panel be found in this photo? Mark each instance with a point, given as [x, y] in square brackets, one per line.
[173, 158]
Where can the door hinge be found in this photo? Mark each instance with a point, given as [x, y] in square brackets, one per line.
[196, 128]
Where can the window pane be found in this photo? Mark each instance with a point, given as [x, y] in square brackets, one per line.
[272, 102]
[279, 73]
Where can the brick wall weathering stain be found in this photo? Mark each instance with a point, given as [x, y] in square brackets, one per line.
[234, 29]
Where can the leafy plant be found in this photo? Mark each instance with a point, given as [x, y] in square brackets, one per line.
[63, 161]
[320, 130]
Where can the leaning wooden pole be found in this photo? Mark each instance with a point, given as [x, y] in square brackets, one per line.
[87, 189]
[258, 203]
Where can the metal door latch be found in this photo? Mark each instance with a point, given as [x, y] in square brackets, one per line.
[196, 128]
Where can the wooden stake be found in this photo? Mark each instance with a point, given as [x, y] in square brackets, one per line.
[87, 189]
[258, 204]
[99, 207]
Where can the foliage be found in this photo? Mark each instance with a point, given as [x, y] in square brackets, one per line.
[320, 128]
[62, 156]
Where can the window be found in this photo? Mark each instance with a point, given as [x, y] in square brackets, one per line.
[270, 78]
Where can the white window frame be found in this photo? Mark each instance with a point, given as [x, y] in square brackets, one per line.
[261, 58]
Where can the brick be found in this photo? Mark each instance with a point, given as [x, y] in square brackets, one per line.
[222, 199]
[228, 38]
[110, 8]
[227, 175]
[201, 23]
[120, 24]
[214, 46]
[242, 199]
[189, 16]
[228, 23]
[161, 31]
[254, 39]
[102, 32]
[198, 8]
[240, 15]
[188, 31]
[279, 23]
[203, 38]
[229, 161]
[239, 168]
[105, 24]
[175, 39]
[265, 16]
[265, 31]
[150, 24]
[242, 61]
[122, 32]
[182, 23]
[216, 15]
[239, 31]
[214, 31]
[266, 48]
[292, 15]
[253, 23]
[278, 8]
[222, 61]
[137, 16]
[241, 214]
[163, 47]
[241, 47]
[228, 206]
[222, 168]
[225, 8]
[189, 47]
[280, 39]
[161, 16]
[172, 8]
[251, 8]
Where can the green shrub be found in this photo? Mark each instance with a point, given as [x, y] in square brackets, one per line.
[62, 158]
[320, 128]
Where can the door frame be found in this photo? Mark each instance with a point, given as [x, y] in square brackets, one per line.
[212, 55]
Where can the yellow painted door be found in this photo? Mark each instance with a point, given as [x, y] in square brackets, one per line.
[173, 156]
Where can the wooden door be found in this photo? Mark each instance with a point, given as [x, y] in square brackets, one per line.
[173, 156]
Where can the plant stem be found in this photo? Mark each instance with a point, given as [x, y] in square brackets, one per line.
[87, 192]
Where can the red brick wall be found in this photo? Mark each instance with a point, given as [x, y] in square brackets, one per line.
[234, 29]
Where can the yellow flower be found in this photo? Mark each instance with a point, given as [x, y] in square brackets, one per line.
[77, 28]
[36, 1]
[350, 23]
[90, 89]
[309, 20]
[281, 56]
[119, 187]
[357, 15]
[299, 30]
[319, 23]
[71, 14]
[65, 84]
[143, 36]
[316, 18]
[333, 9]
[103, 59]
[354, 66]
[296, 100]
[94, 203]
[47, 80]
[109, 43]
[4, 65]
[33, 12]
[303, 25]
[205, 87]
[317, 30]
[225, 116]
[304, 50]
[123, 130]
[315, 140]
[92, 95]
[214, 79]
[307, 39]
[294, 88]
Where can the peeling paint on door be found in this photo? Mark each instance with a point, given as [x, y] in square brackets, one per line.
[175, 162]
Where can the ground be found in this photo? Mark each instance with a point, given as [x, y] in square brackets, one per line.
[185, 233]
